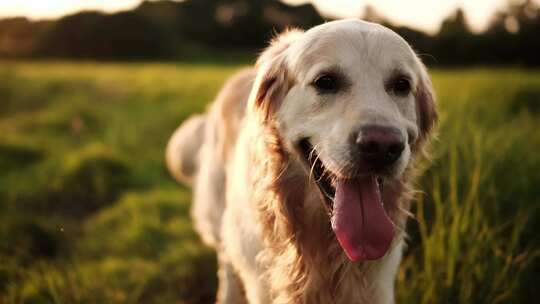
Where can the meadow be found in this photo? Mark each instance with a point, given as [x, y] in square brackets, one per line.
[89, 214]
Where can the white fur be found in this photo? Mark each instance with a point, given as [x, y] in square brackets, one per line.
[225, 208]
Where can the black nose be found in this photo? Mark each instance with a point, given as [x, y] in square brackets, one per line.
[380, 146]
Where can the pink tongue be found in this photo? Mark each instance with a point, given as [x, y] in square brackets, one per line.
[360, 223]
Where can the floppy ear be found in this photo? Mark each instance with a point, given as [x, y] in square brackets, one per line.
[272, 81]
[425, 105]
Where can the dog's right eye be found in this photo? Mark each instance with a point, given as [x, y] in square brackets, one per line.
[326, 84]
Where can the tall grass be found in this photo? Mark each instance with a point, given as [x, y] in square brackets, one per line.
[463, 257]
[88, 213]
[473, 238]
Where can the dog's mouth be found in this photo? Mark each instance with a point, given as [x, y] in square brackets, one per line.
[355, 205]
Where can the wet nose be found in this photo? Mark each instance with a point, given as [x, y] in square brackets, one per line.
[380, 146]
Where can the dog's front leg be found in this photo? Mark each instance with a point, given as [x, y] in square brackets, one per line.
[230, 289]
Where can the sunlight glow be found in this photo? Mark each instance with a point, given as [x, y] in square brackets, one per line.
[39, 9]
[423, 14]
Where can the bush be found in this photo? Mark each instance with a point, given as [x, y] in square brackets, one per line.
[155, 226]
[141, 249]
[18, 156]
[140, 224]
[89, 180]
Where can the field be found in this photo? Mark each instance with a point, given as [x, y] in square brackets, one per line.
[89, 214]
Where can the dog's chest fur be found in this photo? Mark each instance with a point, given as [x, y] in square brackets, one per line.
[307, 266]
[329, 276]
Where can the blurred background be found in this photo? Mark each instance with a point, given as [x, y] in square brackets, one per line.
[90, 91]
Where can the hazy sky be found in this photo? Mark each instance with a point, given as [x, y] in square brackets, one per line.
[424, 14]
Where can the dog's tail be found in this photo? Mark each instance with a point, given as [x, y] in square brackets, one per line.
[182, 154]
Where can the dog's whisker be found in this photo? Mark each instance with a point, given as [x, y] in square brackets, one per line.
[313, 150]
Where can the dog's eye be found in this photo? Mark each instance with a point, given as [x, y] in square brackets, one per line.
[326, 84]
[401, 86]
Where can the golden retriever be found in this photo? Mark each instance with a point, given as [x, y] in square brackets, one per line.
[302, 166]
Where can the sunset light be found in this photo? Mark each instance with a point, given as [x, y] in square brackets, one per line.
[269, 151]
[422, 14]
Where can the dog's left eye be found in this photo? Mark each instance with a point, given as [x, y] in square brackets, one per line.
[326, 84]
[401, 86]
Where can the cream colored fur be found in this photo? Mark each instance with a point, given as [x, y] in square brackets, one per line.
[254, 200]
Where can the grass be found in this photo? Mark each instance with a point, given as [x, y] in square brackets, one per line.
[88, 213]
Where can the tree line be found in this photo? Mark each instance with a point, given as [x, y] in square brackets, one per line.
[176, 30]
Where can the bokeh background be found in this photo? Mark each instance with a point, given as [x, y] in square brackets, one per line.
[90, 91]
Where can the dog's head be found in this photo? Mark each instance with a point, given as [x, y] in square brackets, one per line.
[354, 103]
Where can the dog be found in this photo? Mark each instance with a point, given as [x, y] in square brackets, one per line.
[302, 166]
